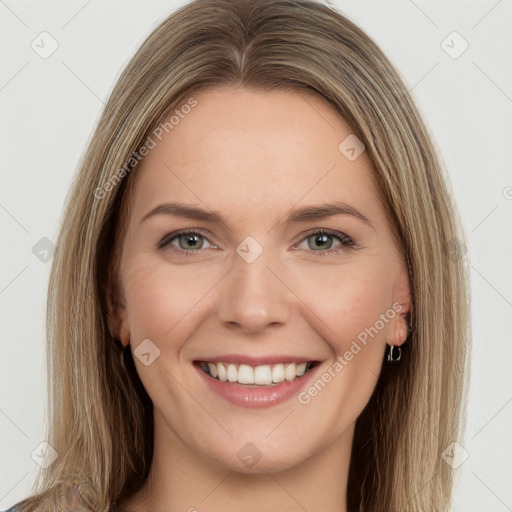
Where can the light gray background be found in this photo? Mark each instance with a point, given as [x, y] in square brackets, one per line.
[50, 106]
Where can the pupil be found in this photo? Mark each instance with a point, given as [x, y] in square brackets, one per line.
[319, 239]
[191, 239]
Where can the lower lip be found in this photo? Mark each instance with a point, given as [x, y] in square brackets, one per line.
[256, 397]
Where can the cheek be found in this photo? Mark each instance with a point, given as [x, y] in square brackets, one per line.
[348, 306]
[359, 308]
[161, 300]
[163, 304]
[354, 310]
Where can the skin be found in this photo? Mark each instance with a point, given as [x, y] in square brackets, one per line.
[252, 157]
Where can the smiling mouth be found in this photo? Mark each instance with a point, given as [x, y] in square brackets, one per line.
[260, 375]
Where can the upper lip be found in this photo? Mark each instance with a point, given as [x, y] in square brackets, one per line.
[252, 360]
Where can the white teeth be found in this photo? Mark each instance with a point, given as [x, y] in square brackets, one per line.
[245, 374]
[289, 371]
[232, 373]
[221, 372]
[213, 369]
[262, 375]
[301, 369]
[278, 373]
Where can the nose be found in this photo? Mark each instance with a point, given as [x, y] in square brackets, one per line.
[254, 296]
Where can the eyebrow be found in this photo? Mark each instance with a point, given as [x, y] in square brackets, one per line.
[304, 214]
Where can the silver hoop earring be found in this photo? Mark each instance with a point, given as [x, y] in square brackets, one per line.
[394, 354]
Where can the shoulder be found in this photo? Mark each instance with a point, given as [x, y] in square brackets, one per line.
[14, 508]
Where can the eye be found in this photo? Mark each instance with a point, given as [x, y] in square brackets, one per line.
[321, 241]
[188, 242]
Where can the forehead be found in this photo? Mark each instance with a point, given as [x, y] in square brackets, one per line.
[244, 151]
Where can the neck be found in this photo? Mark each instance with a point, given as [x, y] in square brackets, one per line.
[181, 479]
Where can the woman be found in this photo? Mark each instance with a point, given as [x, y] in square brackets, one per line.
[257, 298]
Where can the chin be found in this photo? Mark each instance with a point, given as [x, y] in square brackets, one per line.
[253, 459]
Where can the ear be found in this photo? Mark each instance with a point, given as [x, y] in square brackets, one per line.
[117, 317]
[402, 297]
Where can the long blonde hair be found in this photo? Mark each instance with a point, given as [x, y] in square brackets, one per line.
[100, 416]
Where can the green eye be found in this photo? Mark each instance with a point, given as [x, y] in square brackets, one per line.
[187, 241]
[323, 240]
[190, 241]
[320, 241]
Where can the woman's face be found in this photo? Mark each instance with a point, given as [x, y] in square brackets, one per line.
[253, 283]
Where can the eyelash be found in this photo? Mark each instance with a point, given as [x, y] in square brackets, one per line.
[345, 240]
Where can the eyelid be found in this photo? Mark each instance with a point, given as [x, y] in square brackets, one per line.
[327, 231]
